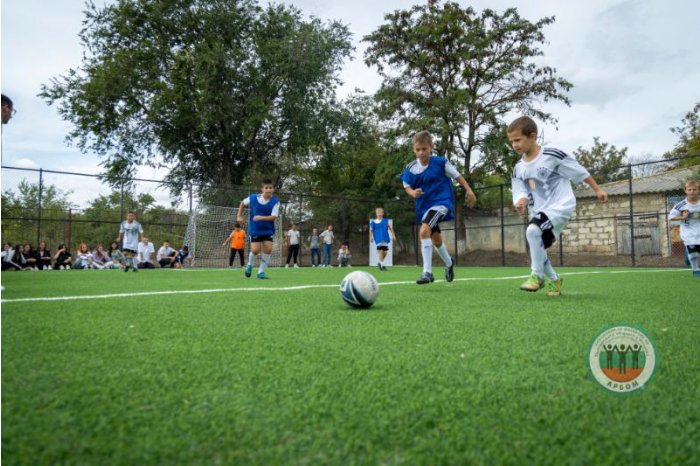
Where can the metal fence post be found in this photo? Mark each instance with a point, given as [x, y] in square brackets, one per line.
[503, 229]
[38, 217]
[629, 184]
[70, 229]
[455, 236]
[301, 236]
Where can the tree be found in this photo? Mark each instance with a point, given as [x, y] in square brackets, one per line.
[220, 91]
[99, 222]
[604, 161]
[688, 144]
[459, 73]
[346, 165]
[20, 213]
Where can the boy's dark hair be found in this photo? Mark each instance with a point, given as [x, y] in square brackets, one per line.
[266, 182]
[131, 212]
[7, 101]
[524, 124]
[236, 225]
[185, 248]
[422, 137]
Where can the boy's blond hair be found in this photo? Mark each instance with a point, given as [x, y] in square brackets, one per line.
[692, 182]
[422, 137]
[524, 124]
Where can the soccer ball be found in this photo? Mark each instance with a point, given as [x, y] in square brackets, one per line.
[359, 289]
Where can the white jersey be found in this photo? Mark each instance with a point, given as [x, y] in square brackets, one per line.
[690, 228]
[293, 236]
[546, 183]
[131, 233]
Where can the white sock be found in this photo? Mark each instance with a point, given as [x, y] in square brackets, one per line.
[549, 270]
[693, 259]
[264, 260]
[538, 254]
[251, 259]
[426, 246]
[135, 264]
[444, 254]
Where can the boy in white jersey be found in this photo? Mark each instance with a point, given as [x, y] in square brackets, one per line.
[541, 185]
[130, 229]
[688, 213]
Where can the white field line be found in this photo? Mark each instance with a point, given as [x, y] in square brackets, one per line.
[306, 287]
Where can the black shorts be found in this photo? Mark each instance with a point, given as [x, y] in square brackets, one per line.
[129, 250]
[541, 220]
[432, 218]
[382, 248]
[260, 239]
[693, 248]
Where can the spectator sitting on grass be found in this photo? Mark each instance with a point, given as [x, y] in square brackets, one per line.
[344, 255]
[43, 256]
[62, 258]
[183, 257]
[8, 258]
[28, 257]
[83, 257]
[116, 255]
[100, 258]
[167, 256]
[145, 253]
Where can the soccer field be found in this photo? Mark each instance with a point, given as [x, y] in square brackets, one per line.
[208, 367]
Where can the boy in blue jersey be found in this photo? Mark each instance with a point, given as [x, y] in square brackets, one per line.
[381, 234]
[428, 180]
[262, 213]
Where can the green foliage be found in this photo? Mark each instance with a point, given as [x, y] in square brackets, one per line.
[688, 139]
[220, 91]
[96, 224]
[354, 163]
[20, 212]
[99, 222]
[604, 161]
[457, 73]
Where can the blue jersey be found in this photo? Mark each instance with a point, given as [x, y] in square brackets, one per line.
[380, 231]
[436, 185]
[261, 227]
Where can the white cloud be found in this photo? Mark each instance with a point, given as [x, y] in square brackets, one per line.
[26, 163]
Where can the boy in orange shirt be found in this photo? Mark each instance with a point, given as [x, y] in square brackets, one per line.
[237, 238]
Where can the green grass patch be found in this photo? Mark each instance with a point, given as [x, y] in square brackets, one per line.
[471, 372]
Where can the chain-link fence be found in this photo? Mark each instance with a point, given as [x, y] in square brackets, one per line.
[631, 229]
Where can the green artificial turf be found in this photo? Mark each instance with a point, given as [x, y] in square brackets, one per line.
[470, 372]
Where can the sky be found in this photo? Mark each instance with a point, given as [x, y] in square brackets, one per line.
[634, 64]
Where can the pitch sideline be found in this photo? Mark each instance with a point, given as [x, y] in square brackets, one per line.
[305, 287]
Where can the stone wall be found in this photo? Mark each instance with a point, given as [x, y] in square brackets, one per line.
[595, 229]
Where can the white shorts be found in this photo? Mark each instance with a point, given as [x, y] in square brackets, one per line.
[558, 218]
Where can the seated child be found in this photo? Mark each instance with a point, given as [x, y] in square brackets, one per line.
[344, 255]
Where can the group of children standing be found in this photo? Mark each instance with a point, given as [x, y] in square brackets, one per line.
[541, 187]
